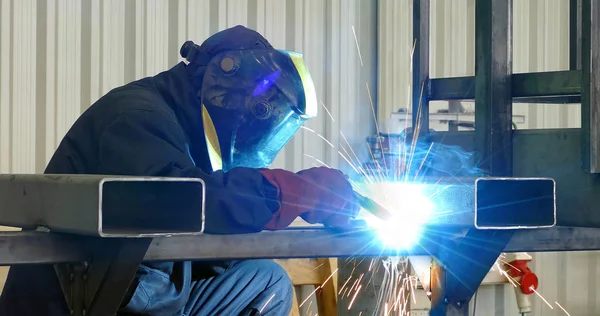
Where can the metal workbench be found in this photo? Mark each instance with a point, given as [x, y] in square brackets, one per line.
[96, 271]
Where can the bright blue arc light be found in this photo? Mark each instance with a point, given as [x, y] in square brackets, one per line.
[411, 209]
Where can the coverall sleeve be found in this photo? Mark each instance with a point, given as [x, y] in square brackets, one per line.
[149, 143]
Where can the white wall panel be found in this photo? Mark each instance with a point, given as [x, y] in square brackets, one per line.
[59, 56]
[540, 44]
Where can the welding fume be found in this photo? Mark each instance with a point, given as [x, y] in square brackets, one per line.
[222, 115]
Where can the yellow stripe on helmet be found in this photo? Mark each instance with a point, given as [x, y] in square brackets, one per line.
[310, 93]
[212, 141]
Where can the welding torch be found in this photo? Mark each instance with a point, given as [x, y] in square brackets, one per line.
[373, 207]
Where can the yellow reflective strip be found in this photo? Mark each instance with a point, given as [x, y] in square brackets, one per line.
[310, 92]
[212, 141]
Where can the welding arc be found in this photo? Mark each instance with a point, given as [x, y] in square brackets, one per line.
[373, 207]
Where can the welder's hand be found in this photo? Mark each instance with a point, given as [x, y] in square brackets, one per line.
[318, 195]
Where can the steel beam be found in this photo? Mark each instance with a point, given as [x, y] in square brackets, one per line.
[542, 87]
[48, 248]
[493, 94]
[322, 243]
[107, 206]
[590, 94]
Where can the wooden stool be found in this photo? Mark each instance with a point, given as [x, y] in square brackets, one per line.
[314, 272]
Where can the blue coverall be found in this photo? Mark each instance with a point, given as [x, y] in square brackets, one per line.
[153, 127]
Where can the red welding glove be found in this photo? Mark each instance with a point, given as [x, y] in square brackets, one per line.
[318, 195]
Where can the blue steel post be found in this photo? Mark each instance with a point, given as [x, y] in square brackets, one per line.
[590, 90]
[463, 264]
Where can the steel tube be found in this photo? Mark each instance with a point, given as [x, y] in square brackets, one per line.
[107, 206]
[590, 95]
[546, 87]
[493, 93]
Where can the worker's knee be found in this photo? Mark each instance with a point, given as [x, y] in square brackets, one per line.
[268, 270]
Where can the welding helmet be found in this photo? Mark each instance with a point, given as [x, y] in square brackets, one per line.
[253, 102]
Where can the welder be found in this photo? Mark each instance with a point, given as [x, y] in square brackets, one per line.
[221, 115]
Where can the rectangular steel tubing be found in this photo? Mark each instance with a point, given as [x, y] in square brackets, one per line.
[107, 206]
[420, 65]
[546, 87]
[590, 94]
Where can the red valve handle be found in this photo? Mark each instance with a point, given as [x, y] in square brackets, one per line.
[519, 269]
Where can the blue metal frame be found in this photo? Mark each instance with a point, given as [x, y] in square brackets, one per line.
[494, 88]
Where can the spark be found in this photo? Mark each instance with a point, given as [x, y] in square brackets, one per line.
[330, 276]
[538, 294]
[352, 287]
[398, 287]
[307, 129]
[509, 278]
[343, 294]
[268, 301]
[354, 297]
[412, 292]
[322, 163]
[509, 264]
[357, 46]
[345, 283]
[309, 295]
[317, 267]
[564, 310]
[326, 110]
[359, 279]
[348, 161]
[328, 142]
[375, 119]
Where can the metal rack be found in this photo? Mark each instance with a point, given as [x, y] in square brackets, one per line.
[570, 156]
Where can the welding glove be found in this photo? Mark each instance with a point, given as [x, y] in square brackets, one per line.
[318, 195]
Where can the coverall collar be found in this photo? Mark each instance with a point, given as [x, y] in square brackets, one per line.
[175, 87]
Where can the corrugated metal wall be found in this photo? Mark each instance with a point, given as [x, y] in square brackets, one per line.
[540, 44]
[59, 56]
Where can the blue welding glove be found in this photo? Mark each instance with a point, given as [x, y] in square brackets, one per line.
[318, 195]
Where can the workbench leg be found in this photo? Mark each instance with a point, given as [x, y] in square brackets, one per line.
[98, 287]
[440, 305]
[461, 264]
[126, 257]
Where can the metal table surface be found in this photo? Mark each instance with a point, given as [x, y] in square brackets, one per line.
[40, 248]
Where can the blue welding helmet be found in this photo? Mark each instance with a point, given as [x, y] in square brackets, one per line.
[253, 102]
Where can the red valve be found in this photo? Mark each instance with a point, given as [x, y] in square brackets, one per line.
[518, 269]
